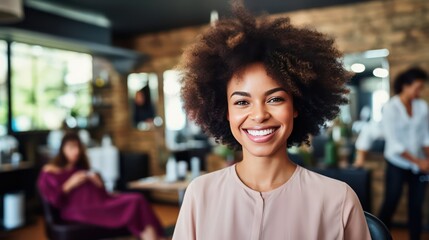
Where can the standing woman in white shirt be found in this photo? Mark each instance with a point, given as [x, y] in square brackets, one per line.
[406, 130]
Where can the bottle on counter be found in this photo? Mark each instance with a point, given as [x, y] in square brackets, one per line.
[195, 167]
[331, 153]
[182, 170]
[171, 171]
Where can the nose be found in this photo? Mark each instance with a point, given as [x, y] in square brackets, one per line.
[259, 113]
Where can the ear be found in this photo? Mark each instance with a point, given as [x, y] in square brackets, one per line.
[295, 114]
[227, 116]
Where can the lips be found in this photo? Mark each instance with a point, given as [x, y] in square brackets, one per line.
[260, 135]
[262, 132]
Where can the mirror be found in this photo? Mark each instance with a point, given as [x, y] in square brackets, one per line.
[180, 133]
[174, 114]
[369, 90]
[369, 87]
[143, 97]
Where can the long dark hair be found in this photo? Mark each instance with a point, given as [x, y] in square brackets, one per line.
[61, 161]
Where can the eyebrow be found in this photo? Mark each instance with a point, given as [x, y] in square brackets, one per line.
[269, 92]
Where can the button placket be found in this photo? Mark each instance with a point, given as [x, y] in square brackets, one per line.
[257, 221]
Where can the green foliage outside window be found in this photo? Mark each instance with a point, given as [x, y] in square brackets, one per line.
[3, 88]
[48, 85]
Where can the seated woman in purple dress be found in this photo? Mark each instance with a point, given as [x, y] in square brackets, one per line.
[79, 194]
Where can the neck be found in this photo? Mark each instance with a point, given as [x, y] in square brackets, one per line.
[265, 173]
[69, 166]
[405, 99]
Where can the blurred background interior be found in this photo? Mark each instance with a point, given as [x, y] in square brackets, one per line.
[106, 69]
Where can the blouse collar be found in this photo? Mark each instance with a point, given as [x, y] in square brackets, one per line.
[265, 195]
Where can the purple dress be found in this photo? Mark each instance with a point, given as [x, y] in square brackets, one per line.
[90, 204]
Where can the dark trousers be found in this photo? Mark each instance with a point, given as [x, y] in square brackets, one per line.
[394, 180]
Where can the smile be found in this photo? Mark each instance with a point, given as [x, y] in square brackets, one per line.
[263, 132]
[260, 135]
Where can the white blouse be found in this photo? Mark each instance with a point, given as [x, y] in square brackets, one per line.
[404, 133]
[370, 132]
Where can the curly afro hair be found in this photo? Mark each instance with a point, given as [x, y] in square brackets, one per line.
[303, 61]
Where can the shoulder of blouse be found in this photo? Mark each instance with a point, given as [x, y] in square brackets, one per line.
[328, 187]
[209, 181]
[392, 106]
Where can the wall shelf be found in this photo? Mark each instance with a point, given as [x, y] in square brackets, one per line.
[124, 60]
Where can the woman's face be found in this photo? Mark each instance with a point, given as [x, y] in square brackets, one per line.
[260, 112]
[139, 98]
[414, 89]
[71, 151]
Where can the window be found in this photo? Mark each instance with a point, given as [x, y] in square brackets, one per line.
[3, 88]
[48, 87]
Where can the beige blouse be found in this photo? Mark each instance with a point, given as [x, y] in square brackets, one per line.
[308, 206]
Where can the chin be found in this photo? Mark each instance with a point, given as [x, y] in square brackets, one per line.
[262, 155]
[73, 162]
[261, 152]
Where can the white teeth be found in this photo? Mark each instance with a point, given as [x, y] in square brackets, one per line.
[260, 132]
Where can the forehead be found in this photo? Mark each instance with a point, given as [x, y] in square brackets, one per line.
[418, 83]
[71, 143]
[252, 76]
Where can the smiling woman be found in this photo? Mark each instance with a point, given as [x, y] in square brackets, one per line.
[260, 111]
[262, 86]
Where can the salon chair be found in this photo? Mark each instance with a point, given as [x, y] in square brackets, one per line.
[132, 166]
[377, 229]
[57, 229]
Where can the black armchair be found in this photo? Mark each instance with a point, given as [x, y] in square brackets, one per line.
[377, 229]
[57, 229]
[358, 179]
[132, 166]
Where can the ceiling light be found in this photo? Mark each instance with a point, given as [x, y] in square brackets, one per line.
[358, 67]
[376, 53]
[380, 72]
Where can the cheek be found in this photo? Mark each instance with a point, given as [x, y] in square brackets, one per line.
[418, 91]
[72, 153]
[285, 115]
[236, 118]
[236, 115]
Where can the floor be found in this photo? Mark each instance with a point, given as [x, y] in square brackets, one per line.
[167, 213]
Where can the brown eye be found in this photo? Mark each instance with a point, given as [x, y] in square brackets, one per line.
[276, 99]
[241, 103]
